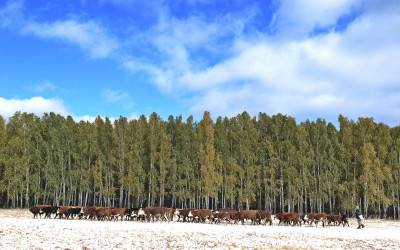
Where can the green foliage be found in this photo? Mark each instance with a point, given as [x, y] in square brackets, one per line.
[241, 162]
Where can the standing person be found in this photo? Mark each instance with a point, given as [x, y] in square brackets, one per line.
[359, 218]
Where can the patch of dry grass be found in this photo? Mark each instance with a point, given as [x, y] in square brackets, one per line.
[15, 213]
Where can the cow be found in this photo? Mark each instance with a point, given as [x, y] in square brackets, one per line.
[48, 211]
[345, 220]
[61, 211]
[141, 214]
[74, 211]
[303, 216]
[184, 214]
[157, 212]
[233, 214]
[316, 217]
[266, 216]
[288, 218]
[235, 218]
[221, 216]
[252, 215]
[169, 214]
[89, 212]
[131, 213]
[296, 220]
[114, 213]
[335, 219]
[35, 210]
[102, 213]
[283, 218]
[201, 215]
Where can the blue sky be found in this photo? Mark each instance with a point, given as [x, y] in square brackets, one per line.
[305, 58]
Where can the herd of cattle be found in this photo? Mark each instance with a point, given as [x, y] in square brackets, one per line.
[228, 216]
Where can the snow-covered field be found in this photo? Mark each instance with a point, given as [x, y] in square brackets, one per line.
[18, 230]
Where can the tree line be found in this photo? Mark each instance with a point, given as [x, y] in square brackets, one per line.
[243, 162]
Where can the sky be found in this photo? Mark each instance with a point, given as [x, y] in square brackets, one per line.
[306, 59]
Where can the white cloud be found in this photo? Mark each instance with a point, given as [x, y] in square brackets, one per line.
[44, 87]
[89, 36]
[39, 105]
[11, 14]
[296, 19]
[354, 72]
[133, 116]
[111, 96]
[36, 105]
[227, 70]
[91, 119]
[185, 45]
[86, 118]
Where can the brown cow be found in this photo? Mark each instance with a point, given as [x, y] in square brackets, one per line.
[286, 218]
[102, 213]
[89, 212]
[265, 215]
[61, 211]
[234, 215]
[221, 216]
[169, 214]
[335, 219]
[296, 220]
[157, 212]
[200, 215]
[35, 210]
[235, 218]
[252, 215]
[114, 213]
[316, 217]
[289, 218]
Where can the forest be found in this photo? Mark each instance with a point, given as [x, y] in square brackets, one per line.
[242, 162]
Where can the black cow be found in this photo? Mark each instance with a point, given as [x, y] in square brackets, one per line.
[49, 210]
[74, 211]
[345, 220]
[131, 213]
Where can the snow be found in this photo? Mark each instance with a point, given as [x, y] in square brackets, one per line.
[18, 230]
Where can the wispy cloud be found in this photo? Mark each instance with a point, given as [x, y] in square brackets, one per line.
[11, 15]
[91, 36]
[113, 96]
[295, 20]
[178, 53]
[88, 35]
[45, 86]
